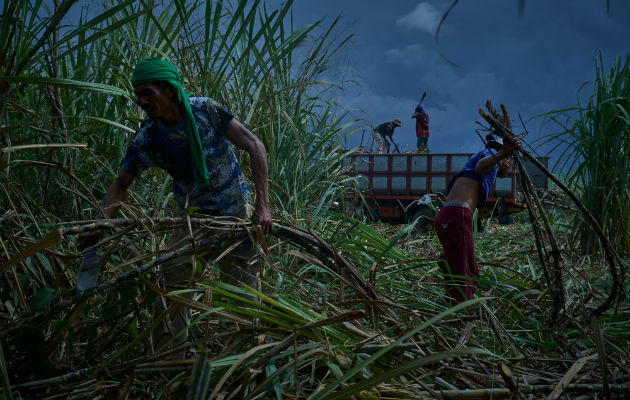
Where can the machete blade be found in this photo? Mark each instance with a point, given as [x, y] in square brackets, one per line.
[87, 276]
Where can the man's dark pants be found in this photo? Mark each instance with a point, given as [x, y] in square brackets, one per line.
[453, 224]
[177, 274]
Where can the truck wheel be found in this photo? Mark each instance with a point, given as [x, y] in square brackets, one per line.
[426, 217]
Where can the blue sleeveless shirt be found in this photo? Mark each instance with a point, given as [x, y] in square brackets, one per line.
[486, 180]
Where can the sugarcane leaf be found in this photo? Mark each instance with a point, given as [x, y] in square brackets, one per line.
[43, 298]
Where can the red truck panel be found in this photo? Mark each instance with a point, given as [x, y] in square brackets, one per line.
[393, 181]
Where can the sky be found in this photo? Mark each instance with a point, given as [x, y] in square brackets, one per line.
[534, 63]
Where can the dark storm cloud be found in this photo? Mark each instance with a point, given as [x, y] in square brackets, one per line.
[532, 64]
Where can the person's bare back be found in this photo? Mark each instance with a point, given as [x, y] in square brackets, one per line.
[465, 191]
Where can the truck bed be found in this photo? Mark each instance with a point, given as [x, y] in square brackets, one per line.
[393, 181]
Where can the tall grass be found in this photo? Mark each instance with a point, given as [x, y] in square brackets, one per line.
[243, 57]
[595, 143]
[65, 84]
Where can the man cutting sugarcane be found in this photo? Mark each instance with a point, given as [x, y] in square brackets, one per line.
[466, 191]
[190, 139]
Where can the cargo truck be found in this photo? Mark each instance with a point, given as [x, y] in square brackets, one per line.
[401, 188]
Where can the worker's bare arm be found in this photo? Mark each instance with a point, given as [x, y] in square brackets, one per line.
[510, 146]
[505, 166]
[242, 138]
[116, 193]
[487, 163]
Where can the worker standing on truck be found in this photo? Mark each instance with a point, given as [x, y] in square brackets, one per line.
[466, 191]
[382, 132]
[422, 128]
[190, 139]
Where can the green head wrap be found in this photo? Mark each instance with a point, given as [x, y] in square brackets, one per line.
[155, 69]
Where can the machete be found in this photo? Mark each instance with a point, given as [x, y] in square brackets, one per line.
[422, 98]
[87, 275]
[394, 143]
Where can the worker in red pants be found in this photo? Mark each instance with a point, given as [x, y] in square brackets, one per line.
[467, 190]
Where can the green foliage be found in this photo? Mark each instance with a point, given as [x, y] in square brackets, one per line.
[200, 381]
[595, 143]
[244, 62]
[310, 331]
[327, 393]
[43, 298]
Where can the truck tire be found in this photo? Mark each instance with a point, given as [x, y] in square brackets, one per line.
[426, 216]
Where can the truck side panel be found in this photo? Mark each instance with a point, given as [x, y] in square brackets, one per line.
[393, 181]
[413, 175]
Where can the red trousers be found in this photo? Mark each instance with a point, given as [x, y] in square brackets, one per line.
[453, 225]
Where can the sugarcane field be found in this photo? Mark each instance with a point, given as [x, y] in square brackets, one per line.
[271, 199]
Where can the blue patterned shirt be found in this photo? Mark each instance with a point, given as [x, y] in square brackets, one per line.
[166, 147]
